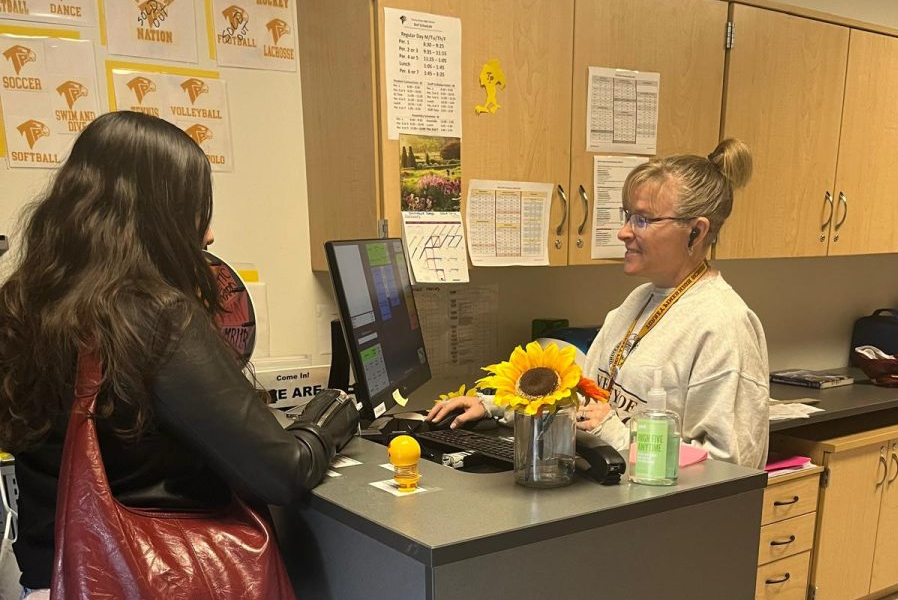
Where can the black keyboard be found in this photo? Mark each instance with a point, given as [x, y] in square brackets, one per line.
[456, 440]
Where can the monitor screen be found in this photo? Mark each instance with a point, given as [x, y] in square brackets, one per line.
[380, 322]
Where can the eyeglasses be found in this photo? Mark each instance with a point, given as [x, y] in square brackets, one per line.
[640, 222]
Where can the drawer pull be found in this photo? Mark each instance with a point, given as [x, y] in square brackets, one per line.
[782, 579]
[786, 502]
[785, 543]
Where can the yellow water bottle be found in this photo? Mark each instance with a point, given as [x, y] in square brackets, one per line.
[404, 453]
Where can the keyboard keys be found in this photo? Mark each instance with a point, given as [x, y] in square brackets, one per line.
[463, 440]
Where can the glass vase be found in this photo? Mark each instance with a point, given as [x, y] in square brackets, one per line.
[544, 448]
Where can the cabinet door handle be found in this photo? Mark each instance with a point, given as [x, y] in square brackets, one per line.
[782, 579]
[895, 462]
[885, 469]
[785, 502]
[783, 543]
[585, 210]
[563, 196]
[844, 202]
[828, 199]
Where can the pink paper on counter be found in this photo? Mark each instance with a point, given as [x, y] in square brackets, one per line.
[689, 455]
[775, 463]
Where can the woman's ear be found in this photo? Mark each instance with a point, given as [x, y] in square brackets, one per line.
[699, 232]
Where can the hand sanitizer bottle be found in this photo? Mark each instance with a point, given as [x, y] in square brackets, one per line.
[655, 439]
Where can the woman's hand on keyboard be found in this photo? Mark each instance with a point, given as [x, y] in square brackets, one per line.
[471, 405]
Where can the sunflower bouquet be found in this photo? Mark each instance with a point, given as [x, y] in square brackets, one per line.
[536, 380]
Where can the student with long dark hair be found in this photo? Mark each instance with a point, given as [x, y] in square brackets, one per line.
[112, 256]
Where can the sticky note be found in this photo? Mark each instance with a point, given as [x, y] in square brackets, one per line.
[400, 400]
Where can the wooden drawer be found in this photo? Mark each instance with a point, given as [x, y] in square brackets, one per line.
[785, 579]
[790, 499]
[785, 538]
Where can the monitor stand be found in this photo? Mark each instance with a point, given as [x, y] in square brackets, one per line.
[338, 377]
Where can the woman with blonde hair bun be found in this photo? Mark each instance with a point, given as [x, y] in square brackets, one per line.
[687, 320]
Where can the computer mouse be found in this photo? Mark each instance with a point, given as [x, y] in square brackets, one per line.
[445, 421]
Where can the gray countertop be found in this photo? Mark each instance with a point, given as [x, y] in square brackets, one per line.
[488, 512]
[859, 398]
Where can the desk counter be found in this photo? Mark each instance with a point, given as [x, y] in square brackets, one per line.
[481, 535]
[861, 401]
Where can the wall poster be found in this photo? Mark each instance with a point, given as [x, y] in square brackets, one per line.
[196, 101]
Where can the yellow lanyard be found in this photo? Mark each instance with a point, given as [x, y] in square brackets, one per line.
[617, 360]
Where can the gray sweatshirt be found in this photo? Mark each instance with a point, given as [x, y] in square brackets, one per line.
[713, 354]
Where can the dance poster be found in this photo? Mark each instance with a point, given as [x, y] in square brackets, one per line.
[49, 93]
[81, 13]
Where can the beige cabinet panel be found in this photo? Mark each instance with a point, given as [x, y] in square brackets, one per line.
[528, 138]
[885, 558]
[682, 40]
[786, 78]
[339, 117]
[865, 181]
[847, 523]
[353, 168]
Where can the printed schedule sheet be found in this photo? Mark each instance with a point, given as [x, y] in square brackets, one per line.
[508, 222]
[622, 111]
[423, 73]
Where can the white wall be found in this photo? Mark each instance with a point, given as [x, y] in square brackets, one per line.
[261, 214]
[807, 305]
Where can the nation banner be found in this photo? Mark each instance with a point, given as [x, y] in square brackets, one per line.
[159, 29]
[66, 12]
[194, 102]
[49, 93]
[255, 34]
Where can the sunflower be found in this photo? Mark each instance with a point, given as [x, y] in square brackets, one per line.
[534, 379]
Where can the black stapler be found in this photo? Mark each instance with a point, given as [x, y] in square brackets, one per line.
[597, 460]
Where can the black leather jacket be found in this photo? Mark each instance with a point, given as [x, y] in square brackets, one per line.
[210, 433]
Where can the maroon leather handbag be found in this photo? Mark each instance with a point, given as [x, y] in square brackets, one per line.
[107, 550]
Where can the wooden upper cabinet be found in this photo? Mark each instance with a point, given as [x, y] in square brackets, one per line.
[866, 188]
[339, 116]
[528, 138]
[684, 42]
[786, 77]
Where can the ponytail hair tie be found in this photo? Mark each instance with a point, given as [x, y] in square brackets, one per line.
[711, 157]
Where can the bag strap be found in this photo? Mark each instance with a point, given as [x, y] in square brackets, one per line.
[87, 380]
[81, 465]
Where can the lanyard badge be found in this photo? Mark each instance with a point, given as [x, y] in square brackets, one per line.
[617, 360]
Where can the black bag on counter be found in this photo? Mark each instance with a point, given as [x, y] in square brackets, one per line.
[879, 329]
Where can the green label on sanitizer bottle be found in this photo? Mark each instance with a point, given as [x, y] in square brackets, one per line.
[651, 448]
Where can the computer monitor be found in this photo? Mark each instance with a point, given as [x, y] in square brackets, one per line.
[380, 321]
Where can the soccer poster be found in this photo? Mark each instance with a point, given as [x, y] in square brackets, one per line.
[49, 93]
